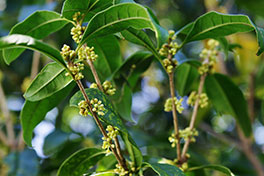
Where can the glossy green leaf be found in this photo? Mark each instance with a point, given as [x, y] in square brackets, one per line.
[123, 101]
[22, 163]
[219, 168]
[38, 25]
[186, 75]
[108, 61]
[165, 169]
[50, 80]
[87, 7]
[115, 19]
[23, 41]
[227, 98]
[111, 118]
[126, 80]
[141, 38]
[55, 141]
[214, 24]
[161, 33]
[34, 112]
[80, 162]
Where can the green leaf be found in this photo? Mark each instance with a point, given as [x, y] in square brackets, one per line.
[165, 169]
[214, 25]
[50, 80]
[228, 98]
[108, 50]
[87, 7]
[22, 163]
[34, 112]
[141, 38]
[126, 80]
[161, 33]
[80, 162]
[38, 25]
[186, 75]
[111, 118]
[55, 141]
[23, 41]
[115, 19]
[220, 168]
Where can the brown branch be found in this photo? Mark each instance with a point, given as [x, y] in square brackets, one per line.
[247, 149]
[35, 65]
[251, 96]
[98, 82]
[3, 138]
[8, 119]
[194, 115]
[96, 77]
[99, 124]
[175, 118]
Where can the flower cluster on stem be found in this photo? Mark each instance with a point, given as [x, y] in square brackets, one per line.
[203, 99]
[111, 134]
[108, 88]
[208, 56]
[177, 102]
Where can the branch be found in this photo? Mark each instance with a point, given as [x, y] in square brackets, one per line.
[247, 149]
[8, 120]
[194, 115]
[99, 124]
[175, 118]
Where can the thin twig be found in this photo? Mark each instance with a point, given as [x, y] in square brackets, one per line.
[98, 82]
[96, 77]
[175, 118]
[247, 149]
[35, 65]
[251, 96]
[34, 72]
[8, 119]
[3, 138]
[99, 124]
[194, 115]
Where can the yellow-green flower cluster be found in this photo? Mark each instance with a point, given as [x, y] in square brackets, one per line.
[76, 17]
[108, 88]
[209, 56]
[87, 53]
[111, 134]
[111, 131]
[94, 86]
[203, 99]
[184, 166]
[169, 50]
[188, 133]
[83, 108]
[77, 33]
[169, 64]
[121, 171]
[172, 139]
[107, 144]
[98, 107]
[178, 104]
[75, 69]
[67, 53]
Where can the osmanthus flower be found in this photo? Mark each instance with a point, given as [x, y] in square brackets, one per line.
[203, 99]
[178, 104]
[208, 56]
